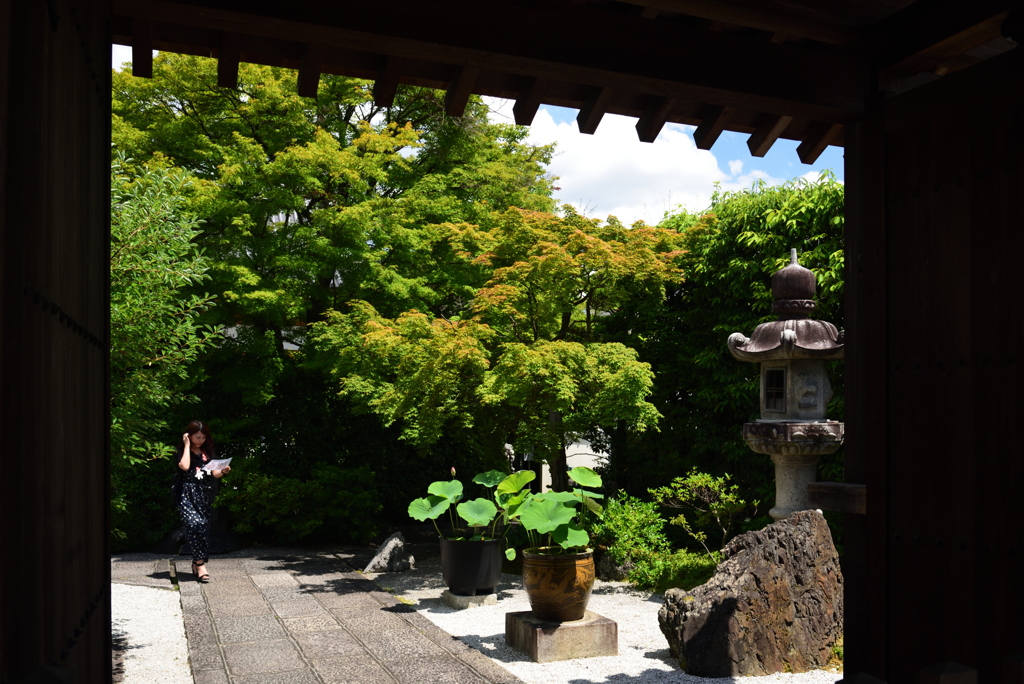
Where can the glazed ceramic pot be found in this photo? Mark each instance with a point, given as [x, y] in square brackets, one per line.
[558, 584]
[471, 568]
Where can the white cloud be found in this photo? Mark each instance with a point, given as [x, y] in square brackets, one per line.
[612, 172]
[119, 55]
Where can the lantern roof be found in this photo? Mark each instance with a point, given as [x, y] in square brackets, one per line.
[794, 335]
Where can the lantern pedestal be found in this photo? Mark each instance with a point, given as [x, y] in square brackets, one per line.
[795, 448]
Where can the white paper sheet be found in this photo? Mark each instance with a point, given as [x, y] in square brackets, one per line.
[217, 464]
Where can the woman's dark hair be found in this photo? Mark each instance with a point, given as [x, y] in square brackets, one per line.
[199, 426]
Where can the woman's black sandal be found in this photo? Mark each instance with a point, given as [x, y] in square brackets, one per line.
[205, 577]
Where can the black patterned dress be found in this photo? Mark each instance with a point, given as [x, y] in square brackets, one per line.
[194, 506]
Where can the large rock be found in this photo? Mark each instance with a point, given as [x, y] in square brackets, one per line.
[774, 604]
[391, 556]
[609, 570]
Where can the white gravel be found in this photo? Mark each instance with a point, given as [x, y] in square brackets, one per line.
[643, 651]
[151, 621]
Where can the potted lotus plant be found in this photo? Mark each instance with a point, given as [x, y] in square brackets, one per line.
[558, 568]
[471, 555]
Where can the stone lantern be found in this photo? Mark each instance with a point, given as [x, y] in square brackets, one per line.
[795, 390]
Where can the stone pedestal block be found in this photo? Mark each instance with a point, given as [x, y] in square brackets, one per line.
[460, 602]
[593, 635]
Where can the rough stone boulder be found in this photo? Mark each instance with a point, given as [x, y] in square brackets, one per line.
[391, 556]
[608, 569]
[774, 604]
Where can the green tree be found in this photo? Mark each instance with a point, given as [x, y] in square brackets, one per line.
[308, 204]
[730, 252]
[522, 362]
[154, 334]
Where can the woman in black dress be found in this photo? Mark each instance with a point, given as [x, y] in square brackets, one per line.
[194, 505]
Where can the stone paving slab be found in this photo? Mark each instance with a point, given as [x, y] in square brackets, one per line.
[361, 669]
[260, 657]
[243, 629]
[304, 625]
[281, 616]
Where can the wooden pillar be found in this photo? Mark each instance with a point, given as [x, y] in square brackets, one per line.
[54, 359]
[865, 401]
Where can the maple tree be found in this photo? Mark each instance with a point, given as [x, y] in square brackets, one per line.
[523, 361]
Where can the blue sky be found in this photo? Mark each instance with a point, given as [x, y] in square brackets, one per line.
[613, 173]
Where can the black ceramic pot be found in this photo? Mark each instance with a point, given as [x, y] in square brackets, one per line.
[471, 568]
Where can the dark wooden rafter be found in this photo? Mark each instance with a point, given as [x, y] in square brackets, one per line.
[653, 120]
[593, 110]
[529, 101]
[929, 25]
[761, 16]
[385, 86]
[459, 89]
[711, 126]
[818, 137]
[762, 139]
[812, 84]
[951, 48]
[142, 47]
[310, 70]
[228, 57]
[820, 86]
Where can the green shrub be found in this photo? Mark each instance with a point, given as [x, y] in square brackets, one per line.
[631, 529]
[683, 569]
[140, 513]
[335, 503]
[711, 502]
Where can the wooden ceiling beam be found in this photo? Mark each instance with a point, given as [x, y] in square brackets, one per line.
[711, 127]
[650, 57]
[953, 47]
[929, 24]
[818, 137]
[529, 101]
[653, 120]
[142, 47]
[385, 87]
[762, 139]
[228, 57]
[310, 70]
[593, 110]
[459, 90]
[756, 15]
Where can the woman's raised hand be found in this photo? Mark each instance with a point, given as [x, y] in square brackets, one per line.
[184, 439]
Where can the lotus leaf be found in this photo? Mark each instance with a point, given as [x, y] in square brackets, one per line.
[514, 482]
[570, 535]
[449, 489]
[564, 497]
[594, 507]
[585, 477]
[545, 516]
[429, 508]
[478, 512]
[490, 478]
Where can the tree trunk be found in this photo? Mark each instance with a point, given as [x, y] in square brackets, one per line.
[556, 463]
[618, 458]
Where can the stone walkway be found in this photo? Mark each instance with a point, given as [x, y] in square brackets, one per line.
[279, 617]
